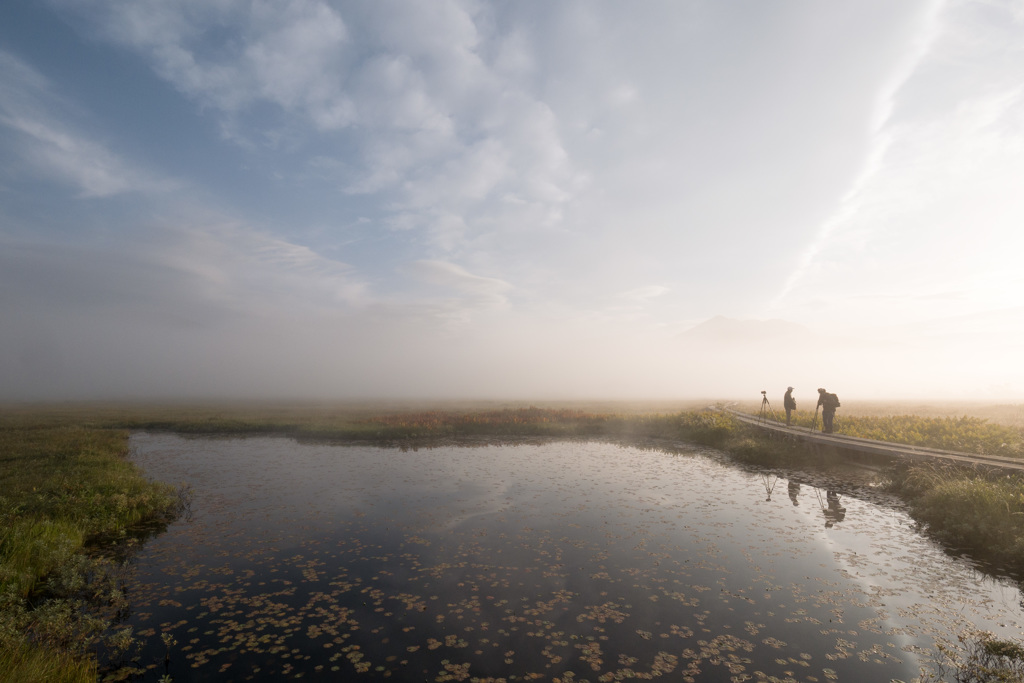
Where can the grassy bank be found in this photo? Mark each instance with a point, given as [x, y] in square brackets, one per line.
[968, 510]
[63, 487]
[964, 433]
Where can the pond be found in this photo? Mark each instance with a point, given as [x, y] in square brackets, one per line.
[559, 561]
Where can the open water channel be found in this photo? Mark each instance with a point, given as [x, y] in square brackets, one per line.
[557, 561]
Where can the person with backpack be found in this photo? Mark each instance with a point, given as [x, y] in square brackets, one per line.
[828, 404]
[789, 403]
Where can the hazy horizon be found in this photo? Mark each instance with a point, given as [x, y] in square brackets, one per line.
[513, 200]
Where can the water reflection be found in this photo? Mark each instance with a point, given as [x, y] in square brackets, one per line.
[769, 481]
[830, 502]
[834, 511]
[794, 491]
[561, 561]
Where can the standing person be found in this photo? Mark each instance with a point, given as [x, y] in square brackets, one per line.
[789, 403]
[828, 404]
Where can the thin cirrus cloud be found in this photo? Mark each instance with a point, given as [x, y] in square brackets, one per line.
[53, 150]
[932, 212]
[472, 289]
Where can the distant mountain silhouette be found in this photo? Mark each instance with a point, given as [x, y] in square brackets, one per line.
[722, 330]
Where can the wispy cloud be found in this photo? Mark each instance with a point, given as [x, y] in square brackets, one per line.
[230, 54]
[932, 208]
[246, 270]
[474, 289]
[438, 131]
[52, 148]
[880, 138]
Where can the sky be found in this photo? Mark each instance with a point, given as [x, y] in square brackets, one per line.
[511, 200]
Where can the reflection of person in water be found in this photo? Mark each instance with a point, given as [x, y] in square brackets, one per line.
[794, 491]
[835, 512]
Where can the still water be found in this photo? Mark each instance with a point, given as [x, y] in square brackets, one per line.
[564, 561]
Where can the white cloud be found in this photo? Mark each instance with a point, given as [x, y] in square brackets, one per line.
[230, 54]
[395, 95]
[426, 123]
[296, 60]
[462, 181]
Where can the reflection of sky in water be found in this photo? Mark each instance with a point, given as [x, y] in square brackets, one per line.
[572, 561]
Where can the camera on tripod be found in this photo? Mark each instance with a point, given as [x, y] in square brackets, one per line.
[766, 408]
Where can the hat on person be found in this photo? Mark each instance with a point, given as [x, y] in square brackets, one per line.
[789, 388]
[821, 391]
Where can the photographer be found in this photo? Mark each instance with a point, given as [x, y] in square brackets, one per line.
[828, 404]
[789, 403]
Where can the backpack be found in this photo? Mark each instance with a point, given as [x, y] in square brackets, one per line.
[834, 400]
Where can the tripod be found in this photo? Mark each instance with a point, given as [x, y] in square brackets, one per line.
[766, 409]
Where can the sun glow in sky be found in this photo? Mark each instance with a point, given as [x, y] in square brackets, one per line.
[318, 198]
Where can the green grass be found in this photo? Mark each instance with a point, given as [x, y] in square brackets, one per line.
[980, 512]
[62, 487]
[37, 664]
[966, 434]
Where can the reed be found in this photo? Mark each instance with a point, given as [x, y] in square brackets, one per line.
[23, 663]
[967, 509]
[977, 657]
[965, 434]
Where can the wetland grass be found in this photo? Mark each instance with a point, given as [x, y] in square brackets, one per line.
[967, 510]
[965, 434]
[64, 481]
[979, 657]
[62, 487]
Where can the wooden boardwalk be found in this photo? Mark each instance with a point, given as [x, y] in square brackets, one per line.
[884, 448]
